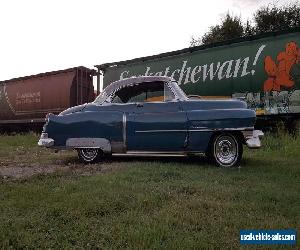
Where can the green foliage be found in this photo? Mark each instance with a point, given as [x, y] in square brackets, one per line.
[23, 148]
[273, 18]
[24, 140]
[230, 27]
[154, 203]
[267, 18]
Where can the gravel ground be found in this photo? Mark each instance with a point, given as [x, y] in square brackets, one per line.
[15, 171]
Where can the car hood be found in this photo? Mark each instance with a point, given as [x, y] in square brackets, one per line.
[73, 109]
[193, 104]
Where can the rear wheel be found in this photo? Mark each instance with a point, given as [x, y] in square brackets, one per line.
[226, 150]
[89, 155]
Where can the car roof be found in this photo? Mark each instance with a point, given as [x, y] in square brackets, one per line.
[135, 80]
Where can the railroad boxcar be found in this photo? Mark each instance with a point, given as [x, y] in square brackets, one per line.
[25, 101]
[263, 70]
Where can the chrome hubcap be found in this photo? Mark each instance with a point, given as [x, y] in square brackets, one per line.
[226, 150]
[89, 154]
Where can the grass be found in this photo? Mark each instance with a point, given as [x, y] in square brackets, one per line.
[22, 149]
[167, 203]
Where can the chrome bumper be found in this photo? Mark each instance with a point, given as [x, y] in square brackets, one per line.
[252, 138]
[44, 141]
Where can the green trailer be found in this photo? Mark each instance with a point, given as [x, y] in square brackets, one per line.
[263, 70]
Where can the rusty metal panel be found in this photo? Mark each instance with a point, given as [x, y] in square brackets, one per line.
[30, 98]
[35, 97]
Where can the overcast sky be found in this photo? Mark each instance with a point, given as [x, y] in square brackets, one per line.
[45, 35]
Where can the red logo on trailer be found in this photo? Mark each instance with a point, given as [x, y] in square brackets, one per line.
[279, 72]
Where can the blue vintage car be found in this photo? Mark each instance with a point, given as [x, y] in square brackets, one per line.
[152, 115]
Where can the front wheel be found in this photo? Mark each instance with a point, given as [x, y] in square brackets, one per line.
[226, 150]
[89, 155]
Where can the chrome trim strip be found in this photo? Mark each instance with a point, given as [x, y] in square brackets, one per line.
[161, 130]
[124, 131]
[221, 129]
[193, 130]
[160, 153]
[154, 152]
[196, 127]
[150, 154]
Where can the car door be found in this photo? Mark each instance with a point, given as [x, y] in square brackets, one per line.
[157, 127]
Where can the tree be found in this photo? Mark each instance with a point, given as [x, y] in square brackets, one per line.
[273, 18]
[248, 29]
[230, 27]
[266, 19]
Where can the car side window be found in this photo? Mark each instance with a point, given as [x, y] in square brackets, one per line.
[143, 92]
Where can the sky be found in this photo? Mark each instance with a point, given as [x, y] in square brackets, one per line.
[44, 35]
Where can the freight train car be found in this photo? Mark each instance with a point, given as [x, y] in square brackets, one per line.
[263, 70]
[25, 101]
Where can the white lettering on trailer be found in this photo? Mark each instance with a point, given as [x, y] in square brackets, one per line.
[212, 71]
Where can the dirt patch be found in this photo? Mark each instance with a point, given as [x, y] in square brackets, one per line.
[25, 171]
